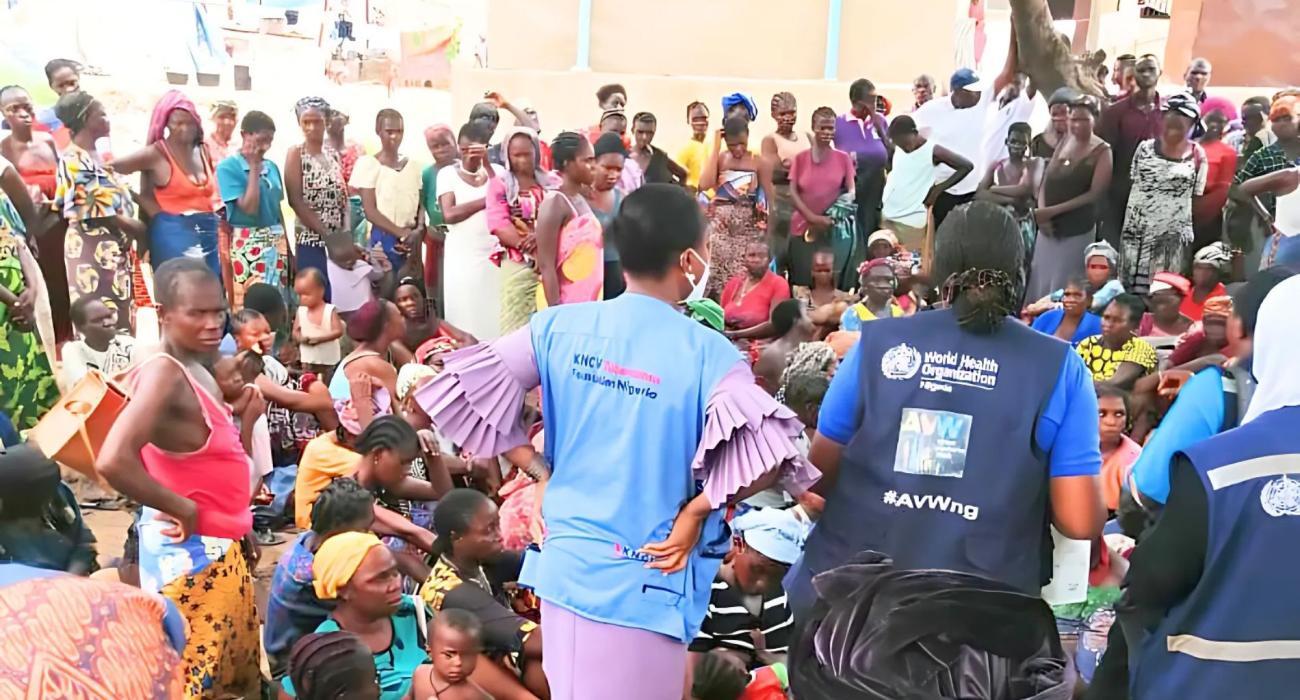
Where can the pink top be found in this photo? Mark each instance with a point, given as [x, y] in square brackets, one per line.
[820, 184]
[215, 476]
[581, 257]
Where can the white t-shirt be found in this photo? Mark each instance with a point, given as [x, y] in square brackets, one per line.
[78, 358]
[1288, 212]
[999, 121]
[958, 130]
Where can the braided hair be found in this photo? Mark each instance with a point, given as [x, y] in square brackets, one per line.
[783, 99]
[330, 665]
[717, 678]
[388, 433]
[341, 505]
[452, 516]
[979, 252]
[565, 148]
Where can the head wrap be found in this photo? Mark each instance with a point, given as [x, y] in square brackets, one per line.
[508, 177]
[1282, 106]
[71, 109]
[219, 106]
[311, 102]
[706, 311]
[1220, 306]
[883, 234]
[775, 533]
[171, 101]
[1187, 106]
[1170, 280]
[1222, 105]
[363, 323]
[867, 265]
[1215, 254]
[437, 345]
[436, 128]
[1273, 360]
[740, 98]
[337, 560]
[1103, 249]
[381, 404]
[411, 376]
[609, 142]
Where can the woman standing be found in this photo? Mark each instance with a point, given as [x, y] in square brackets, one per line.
[177, 184]
[862, 132]
[1044, 145]
[29, 386]
[1168, 173]
[1221, 162]
[606, 199]
[252, 188]
[819, 176]
[225, 117]
[879, 474]
[631, 615]
[315, 186]
[738, 204]
[390, 192]
[99, 210]
[349, 153]
[1075, 179]
[514, 202]
[471, 293]
[778, 150]
[569, 236]
[441, 141]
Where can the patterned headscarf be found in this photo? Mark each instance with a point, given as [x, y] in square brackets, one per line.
[1215, 254]
[411, 375]
[1187, 106]
[219, 106]
[171, 101]
[1220, 306]
[317, 103]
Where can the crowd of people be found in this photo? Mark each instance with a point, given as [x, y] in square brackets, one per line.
[654, 401]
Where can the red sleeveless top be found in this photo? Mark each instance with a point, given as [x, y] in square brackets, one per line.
[216, 476]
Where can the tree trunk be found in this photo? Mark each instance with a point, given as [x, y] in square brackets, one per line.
[1045, 55]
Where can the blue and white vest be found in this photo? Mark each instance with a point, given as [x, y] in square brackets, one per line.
[624, 388]
[1238, 634]
[944, 471]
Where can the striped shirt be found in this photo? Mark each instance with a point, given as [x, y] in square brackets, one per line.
[730, 625]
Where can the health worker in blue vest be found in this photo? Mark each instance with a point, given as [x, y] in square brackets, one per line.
[949, 439]
[1210, 609]
[653, 425]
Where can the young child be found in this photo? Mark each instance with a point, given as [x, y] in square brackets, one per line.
[317, 327]
[455, 642]
[235, 376]
[333, 665]
[101, 347]
[354, 273]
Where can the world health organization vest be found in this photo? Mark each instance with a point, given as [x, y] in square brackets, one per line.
[1238, 634]
[944, 471]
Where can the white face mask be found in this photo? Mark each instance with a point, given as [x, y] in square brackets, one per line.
[697, 287]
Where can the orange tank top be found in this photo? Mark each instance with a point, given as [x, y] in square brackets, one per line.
[181, 195]
[215, 476]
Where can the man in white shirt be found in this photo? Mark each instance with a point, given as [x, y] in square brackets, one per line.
[959, 123]
[1016, 104]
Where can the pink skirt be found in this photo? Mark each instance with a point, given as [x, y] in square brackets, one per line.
[589, 660]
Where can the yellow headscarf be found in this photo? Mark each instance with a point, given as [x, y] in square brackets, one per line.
[337, 560]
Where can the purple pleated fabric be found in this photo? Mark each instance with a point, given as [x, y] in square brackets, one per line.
[477, 399]
[747, 434]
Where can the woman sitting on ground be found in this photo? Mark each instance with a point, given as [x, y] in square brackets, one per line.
[333, 665]
[471, 572]
[1072, 322]
[292, 608]
[749, 298]
[422, 322]
[1164, 298]
[374, 327]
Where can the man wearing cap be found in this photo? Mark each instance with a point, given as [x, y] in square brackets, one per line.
[1125, 124]
[959, 124]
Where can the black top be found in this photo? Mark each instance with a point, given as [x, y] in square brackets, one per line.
[1165, 568]
[729, 624]
[1065, 180]
[657, 170]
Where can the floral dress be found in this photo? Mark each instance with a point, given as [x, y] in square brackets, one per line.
[96, 250]
[1158, 232]
[326, 192]
[27, 386]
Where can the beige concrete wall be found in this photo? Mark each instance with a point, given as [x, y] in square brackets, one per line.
[566, 99]
[893, 41]
[532, 35]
